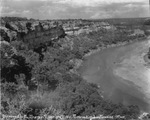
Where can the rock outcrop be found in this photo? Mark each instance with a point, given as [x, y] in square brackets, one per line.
[31, 32]
[86, 27]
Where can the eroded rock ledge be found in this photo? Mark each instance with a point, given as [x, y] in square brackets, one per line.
[31, 32]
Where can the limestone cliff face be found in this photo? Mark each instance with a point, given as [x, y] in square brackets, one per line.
[85, 27]
[31, 32]
[41, 34]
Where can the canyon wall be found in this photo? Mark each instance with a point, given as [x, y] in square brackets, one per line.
[30, 32]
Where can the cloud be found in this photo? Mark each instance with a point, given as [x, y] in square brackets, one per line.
[122, 10]
[61, 9]
[96, 2]
[102, 14]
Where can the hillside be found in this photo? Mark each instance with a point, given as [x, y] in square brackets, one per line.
[39, 59]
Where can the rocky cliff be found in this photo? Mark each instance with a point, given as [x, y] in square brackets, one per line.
[33, 33]
[86, 27]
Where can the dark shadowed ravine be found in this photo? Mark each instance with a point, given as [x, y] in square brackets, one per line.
[121, 73]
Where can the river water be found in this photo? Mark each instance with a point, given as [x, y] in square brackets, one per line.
[121, 73]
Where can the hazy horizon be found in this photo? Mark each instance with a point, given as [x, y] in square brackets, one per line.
[75, 9]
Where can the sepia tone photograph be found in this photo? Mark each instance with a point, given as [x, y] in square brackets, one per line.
[74, 59]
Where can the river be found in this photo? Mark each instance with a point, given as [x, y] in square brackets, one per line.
[121, 73]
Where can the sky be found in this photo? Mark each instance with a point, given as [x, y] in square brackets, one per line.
[75, 9]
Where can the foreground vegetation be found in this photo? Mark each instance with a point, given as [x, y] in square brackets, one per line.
[33, 85]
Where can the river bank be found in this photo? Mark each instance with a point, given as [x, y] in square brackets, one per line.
[114, 45]
[78, 62]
